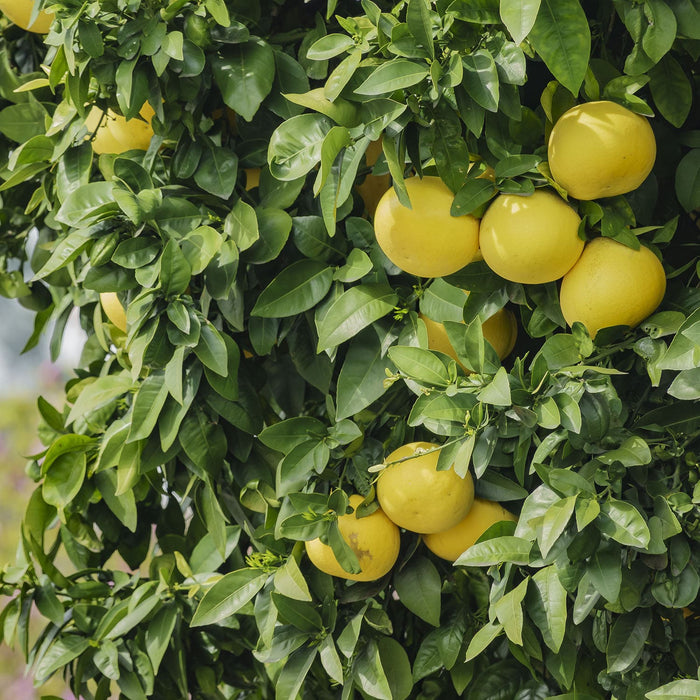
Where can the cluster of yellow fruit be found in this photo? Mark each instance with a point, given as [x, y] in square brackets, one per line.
[19, 12]
[598, 149]
[413, 495]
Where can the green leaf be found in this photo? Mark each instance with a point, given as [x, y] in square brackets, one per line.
[628, 636]
[227, 596]
[482, 639]
[631, 453]
[244, 73]
[497, 551]
[622, 522]
[329, 46]
[519, 17]
[546, 606]
[159, 634]
[686, 385]
[554, 522]
[303, 615]
[357, 265]
[211, 349]
[217, 172]
[98, 394]
[123, 506]
[676, 690]
[287, 434]
[509, 611]
[660, 30]
[497, 393]
[473, 194]
[148, 404]
[671, 90]
[605, 572]
[421, 365]
[562, 38]
[419, 587]
[289, 581]
[295, 146]
[396, 666]
[481, 79]
[296, 289]
[22, 122]
[393, 75]
[353, 310]
[294, 671]
[175, 271]
[361, 378]
[59, 654]
[420, 24]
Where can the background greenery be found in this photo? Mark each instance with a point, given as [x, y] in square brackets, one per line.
[273, 353]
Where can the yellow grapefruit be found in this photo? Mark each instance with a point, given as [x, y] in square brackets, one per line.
[532, 239]
[500, 330]
[449, 544]
[19, 12]
[612, 285]
[374, 539]
[114, 310]
[601, 149]
[114, 134]
[425, 240]
[416, 496]
[373, 186]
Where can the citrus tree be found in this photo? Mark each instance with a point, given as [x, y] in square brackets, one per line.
[392, 373]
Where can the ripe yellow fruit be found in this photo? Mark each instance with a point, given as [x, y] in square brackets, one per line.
[252, 178]
[612, 285]
[114, 310]
[532, 239]
[374, 539]
[601, 149]
[19, 12]
[500, 330]
[114, 134]
[425, 240]
[373, 186]
[416, 496]
[451, 543]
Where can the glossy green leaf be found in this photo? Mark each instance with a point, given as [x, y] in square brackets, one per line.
[562, 38]
[519, 17]
[352, 311]
[228, 595]
[419, 588]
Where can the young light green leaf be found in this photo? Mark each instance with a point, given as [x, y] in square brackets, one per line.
[509, 611]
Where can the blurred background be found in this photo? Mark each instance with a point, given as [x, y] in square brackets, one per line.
[23, 378]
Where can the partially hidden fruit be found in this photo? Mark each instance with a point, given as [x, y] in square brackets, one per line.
[601, 149]
[19, 12]
[532, 239]
[451, 543]
[416, 496]
[114, 310]
[252, 178]
[425, 240]
[612, 285]
[373, 187]
[374, 539]
[114, 134]
[500, 330]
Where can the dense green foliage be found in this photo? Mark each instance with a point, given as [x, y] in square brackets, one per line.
[273, 354]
